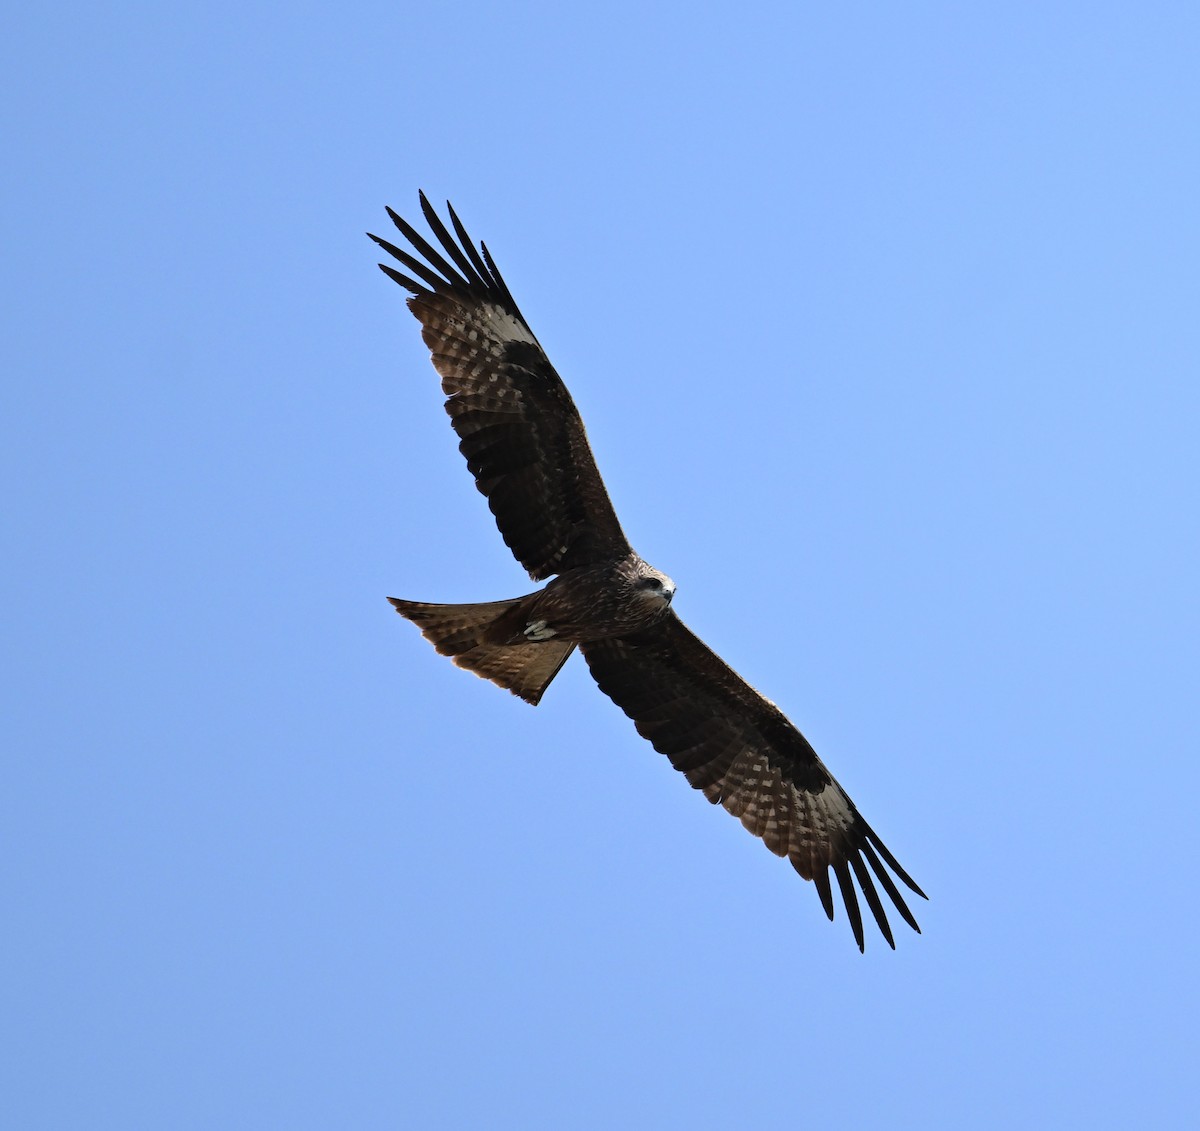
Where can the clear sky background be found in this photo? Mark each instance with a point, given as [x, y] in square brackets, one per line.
[883, 319]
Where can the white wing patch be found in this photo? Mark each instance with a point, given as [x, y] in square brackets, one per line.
[504, 327]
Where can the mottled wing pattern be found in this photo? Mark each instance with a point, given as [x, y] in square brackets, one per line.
[517, 425]
[741, 751]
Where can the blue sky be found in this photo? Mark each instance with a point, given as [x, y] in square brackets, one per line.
[883, 322]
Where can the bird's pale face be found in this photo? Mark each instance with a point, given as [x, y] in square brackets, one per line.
[654, 586]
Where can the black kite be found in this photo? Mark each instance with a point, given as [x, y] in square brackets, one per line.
[525, 444]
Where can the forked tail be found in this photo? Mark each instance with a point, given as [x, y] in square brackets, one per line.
[468, 634]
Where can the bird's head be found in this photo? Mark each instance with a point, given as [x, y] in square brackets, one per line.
[653, 585]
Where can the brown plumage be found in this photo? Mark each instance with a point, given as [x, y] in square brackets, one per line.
[525, 444]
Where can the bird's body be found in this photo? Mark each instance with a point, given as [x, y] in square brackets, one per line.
[525, 444]
[507, 641]
[611, 598]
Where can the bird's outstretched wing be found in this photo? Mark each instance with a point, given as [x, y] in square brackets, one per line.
[518, 427]
[741, 750]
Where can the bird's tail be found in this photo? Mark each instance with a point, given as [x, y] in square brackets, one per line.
[486, 639]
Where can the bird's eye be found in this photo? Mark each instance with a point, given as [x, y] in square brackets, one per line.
[652, 583]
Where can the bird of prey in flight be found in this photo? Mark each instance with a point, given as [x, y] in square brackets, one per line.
[525, 444]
